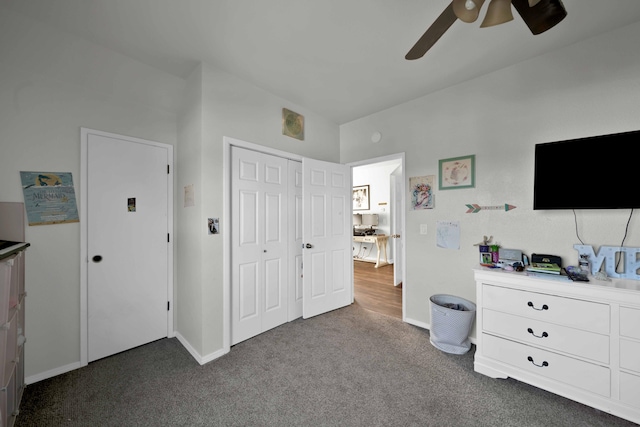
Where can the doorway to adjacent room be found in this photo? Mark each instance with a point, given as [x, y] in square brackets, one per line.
[378, 278]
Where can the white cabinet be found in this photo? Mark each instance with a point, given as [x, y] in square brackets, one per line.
[12, 338]
[579, 340]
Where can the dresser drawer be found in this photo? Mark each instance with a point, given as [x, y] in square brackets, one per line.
[580, 343]
[630, 355]
[629, 322]
[575, 313]
[564, 369]
[629, 386]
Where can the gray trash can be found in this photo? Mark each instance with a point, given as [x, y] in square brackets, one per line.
[451, 321]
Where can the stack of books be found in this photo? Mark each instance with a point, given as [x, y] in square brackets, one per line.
[542, 267]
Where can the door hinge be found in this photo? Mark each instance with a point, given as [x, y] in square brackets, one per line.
[168, 170]
[168, 305]
[168, 239]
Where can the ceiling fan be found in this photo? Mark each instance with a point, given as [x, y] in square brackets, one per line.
[539, 15]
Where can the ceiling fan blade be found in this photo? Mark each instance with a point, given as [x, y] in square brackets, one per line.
[433, 34]
[542, 16]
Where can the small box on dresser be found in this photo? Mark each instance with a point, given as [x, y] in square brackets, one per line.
[576, 339]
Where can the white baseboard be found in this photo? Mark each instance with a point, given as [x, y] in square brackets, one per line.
[417, 323]
[76, 365]
[52, 373]
[200, 359]
[373, 260]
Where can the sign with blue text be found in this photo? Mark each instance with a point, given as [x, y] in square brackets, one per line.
[49, 197]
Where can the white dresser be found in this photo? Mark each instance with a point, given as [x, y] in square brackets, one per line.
[576, 339]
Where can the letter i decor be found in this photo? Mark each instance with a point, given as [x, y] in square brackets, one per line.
[474, 208]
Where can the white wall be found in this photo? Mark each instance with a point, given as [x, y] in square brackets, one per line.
[51, 84]
[225, 106]
[586, 89]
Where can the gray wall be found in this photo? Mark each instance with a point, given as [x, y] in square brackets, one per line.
[589, 88]
[51, 84]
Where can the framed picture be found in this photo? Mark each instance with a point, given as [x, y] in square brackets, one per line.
[457, 172]
[421, 189]
[361, 198]
[292, 124]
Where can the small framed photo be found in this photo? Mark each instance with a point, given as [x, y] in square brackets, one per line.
[457, 172]
[361, 198]
[292, 124]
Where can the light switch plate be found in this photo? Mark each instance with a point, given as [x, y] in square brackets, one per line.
[423, 228]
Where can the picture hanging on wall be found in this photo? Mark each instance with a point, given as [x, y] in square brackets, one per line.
[457, 172]
[292, 124]
[361, 198]
[49, 197]
[421, 189]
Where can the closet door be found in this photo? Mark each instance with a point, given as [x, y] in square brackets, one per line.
[295, 239]
[326, 232]
[259, 243]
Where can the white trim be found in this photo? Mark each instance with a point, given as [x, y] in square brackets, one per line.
[417, 323]
[395, 157]
[84, 257]
[260, 148]
[199, 358]
[427, 326]
[52, 373]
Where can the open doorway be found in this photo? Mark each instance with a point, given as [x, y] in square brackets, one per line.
[378, 228]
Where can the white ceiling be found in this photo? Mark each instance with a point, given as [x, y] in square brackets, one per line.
[343, 59]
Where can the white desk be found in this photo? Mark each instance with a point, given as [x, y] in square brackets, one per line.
[381, 244]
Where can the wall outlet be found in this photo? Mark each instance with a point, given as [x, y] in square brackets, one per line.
[423, 228]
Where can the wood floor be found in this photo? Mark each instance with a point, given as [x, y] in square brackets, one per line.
[374, 290]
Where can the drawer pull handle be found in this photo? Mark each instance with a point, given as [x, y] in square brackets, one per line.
[544, 334]
[544, 306]
[544, 364]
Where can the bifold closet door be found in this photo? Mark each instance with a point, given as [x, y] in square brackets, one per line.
[259, 243]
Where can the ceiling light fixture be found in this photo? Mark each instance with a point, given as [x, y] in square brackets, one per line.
[539, 15]
[499, 12]
[467, 10]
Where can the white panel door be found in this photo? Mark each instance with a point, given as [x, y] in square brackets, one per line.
[259, 243]
[127, 233]
[295, 239]
[327, 258]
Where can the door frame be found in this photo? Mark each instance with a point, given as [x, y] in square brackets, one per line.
[401, 213]
[84, 257]
[227, 143]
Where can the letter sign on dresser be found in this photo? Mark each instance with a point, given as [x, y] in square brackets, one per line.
[580, 340]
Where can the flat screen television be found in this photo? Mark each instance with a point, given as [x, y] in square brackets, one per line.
[600, 172]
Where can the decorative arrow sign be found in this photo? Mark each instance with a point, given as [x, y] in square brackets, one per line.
[474, 208]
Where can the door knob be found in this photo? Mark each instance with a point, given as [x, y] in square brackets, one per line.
[97, 258]
[308, 246]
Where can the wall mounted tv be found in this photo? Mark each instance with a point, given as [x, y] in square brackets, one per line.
[600, 172]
